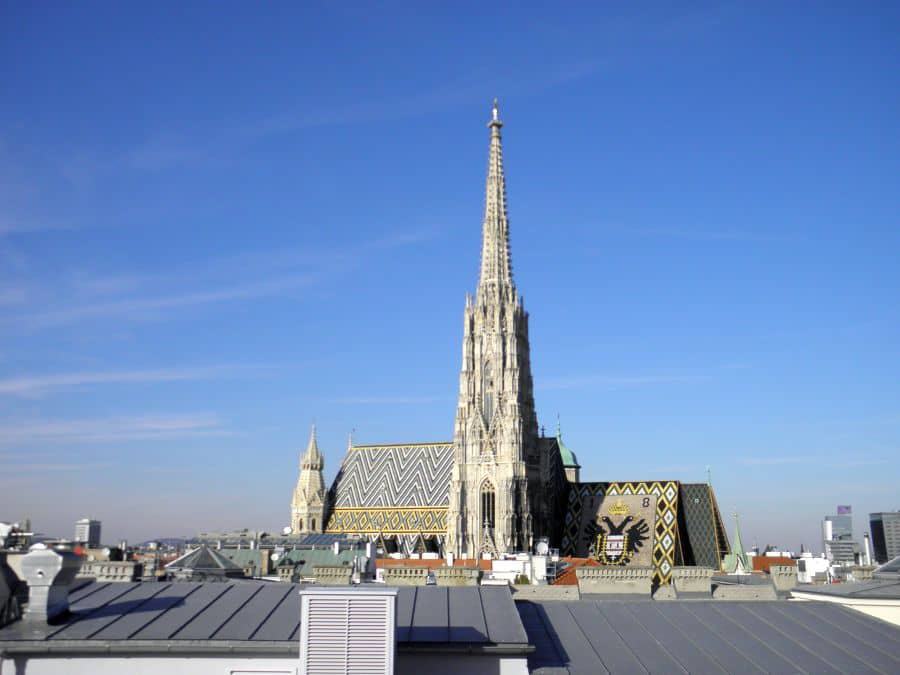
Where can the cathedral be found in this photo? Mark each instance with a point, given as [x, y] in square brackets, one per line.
[501, 486]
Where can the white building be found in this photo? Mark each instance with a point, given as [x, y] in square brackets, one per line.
[87, 531]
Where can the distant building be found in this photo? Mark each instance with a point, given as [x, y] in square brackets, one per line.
[203, 564]
[837, 537]
[87, 531]
[885, 528]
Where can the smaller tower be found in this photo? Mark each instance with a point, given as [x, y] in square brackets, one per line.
[308, 504]
[569, 460]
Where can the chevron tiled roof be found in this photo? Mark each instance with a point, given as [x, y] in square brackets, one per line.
[394, 475]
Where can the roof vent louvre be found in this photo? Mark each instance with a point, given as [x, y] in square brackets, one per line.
[347, 631]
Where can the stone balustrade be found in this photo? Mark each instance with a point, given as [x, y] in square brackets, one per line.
[457, 576]
[332, 575]
[784, 577]
[610, 579]
[544, 592]
[405, 576]
[693, 579]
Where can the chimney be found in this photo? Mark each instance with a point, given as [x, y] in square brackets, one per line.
[343, 629]
[48, 574]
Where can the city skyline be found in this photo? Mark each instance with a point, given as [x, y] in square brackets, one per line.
[704, 235]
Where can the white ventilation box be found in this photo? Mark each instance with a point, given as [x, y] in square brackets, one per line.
[347, 631]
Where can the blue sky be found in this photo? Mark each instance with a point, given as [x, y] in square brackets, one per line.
[221, 222]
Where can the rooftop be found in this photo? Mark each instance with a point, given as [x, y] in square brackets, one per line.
[591, 636]
[254, 617]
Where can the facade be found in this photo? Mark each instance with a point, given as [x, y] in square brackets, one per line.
[500, 486]
[87, 531]
[885, 535]
[837, 537]
[308, 504]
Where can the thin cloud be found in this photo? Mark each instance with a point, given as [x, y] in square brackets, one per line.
[812, 460]
[715, 234]
[388, 400]
[116, 429]
[146, 296]
[36, 385]
[618, 381]
[140, 308]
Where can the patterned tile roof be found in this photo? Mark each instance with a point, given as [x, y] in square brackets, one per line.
[394, 476]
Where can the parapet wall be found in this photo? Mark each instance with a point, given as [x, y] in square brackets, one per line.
[545, 592]
[405, 576]
[609, 579]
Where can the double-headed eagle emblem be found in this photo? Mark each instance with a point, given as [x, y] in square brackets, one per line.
[616, 544]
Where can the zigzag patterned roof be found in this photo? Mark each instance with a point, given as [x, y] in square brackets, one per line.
[394, 475]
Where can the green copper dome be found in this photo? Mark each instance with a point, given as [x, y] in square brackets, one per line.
[568, 457]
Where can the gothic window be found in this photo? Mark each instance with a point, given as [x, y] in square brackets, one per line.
[487, 391]
[312, 524]
[300, 524]
[488, 501]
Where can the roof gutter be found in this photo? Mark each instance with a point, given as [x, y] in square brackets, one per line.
[64, 648]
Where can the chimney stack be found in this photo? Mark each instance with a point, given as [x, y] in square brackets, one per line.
[48, 574]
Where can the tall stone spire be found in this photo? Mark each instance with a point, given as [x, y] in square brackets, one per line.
[308, 503]
[496, 268]
[496, 478]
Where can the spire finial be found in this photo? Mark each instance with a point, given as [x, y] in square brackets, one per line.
[495, 122]
[558, 427]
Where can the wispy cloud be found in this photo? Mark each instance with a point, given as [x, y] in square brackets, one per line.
[811, 460]
[36, 385]
[388, 400]
[145, 307]
[155, 294]
[618, 381]
[714, 234]
[114, 429]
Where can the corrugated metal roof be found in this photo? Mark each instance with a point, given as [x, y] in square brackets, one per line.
[257, 612]
[706, 637]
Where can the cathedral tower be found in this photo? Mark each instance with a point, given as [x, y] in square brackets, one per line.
[496, 482]
[308, 504]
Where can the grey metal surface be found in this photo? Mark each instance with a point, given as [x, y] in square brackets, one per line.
[193, 603]
[877, 589]
[284, 619]
[206, 623]
[245, 621]
[503, 624]
[466, 616]
[431, 617]
[129, 624]
[111, 616]
[706, 637]
[406, 599]
[89, 623]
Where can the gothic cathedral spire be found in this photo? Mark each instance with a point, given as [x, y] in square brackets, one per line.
[496, 476]
[496, 268]
[308, 504]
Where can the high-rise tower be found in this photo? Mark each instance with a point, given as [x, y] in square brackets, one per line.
[496, 474]
[308, 504]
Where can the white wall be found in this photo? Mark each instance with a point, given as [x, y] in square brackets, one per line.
[413, 664]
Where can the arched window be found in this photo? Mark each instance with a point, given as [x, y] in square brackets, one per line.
[312, 524]
[487, 391]
[300, 525]
[488, 500]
